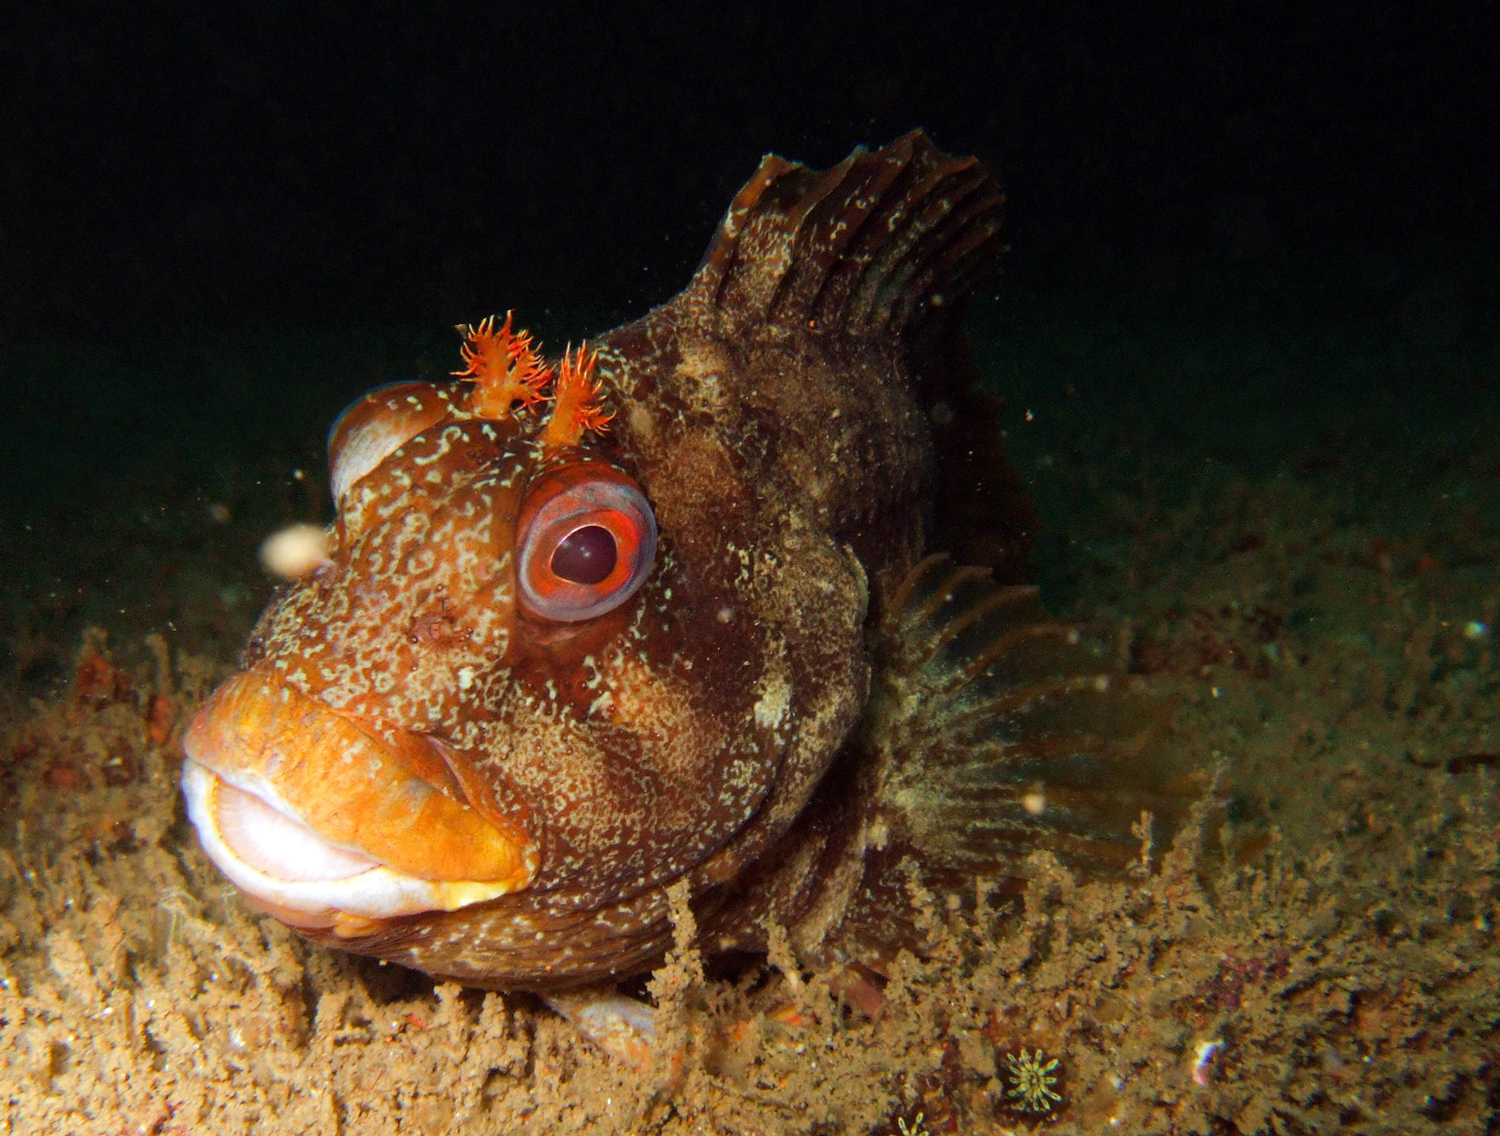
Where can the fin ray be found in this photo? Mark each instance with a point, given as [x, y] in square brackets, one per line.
[1001, 731]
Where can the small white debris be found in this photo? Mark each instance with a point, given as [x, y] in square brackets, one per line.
[1205, 1055]
[1034, 800]
[295, 551]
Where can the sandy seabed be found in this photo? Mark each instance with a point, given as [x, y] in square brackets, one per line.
[1318, 954]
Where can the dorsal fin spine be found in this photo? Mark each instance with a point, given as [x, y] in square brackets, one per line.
[859, 249]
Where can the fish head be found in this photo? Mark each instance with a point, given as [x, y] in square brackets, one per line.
[500, 681]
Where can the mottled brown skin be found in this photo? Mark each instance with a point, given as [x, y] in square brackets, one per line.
[774, 415]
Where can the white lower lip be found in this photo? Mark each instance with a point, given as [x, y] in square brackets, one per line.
[277, 846]
[283, 863]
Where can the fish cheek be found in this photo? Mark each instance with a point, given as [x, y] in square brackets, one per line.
[634, 774]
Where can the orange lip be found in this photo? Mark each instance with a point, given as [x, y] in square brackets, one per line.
[356, 791]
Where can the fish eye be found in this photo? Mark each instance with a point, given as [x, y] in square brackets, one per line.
[587, 540]
[586, 556]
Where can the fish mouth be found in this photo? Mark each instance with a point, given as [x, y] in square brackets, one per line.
[327, 825]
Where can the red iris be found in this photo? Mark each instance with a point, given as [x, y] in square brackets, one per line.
[587, 540]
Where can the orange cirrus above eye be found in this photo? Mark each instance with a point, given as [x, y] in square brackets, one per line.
[587, 540]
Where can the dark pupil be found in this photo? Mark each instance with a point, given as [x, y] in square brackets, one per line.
[585, 556]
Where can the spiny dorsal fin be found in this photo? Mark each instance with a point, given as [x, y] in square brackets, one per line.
[868, 247]
[885, 250]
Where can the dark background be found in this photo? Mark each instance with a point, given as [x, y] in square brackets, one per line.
[1248, 240]
[191, 168]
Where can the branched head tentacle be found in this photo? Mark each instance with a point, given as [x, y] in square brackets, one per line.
[576, 401]
[505, 367]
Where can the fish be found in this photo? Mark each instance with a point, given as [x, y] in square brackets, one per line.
[730, 604]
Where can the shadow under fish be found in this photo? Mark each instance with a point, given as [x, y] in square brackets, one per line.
[663, 616]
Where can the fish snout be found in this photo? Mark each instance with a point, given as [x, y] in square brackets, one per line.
[318, 818]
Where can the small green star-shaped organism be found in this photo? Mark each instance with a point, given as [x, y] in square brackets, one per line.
[1033, 1081]
[916, 1128]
